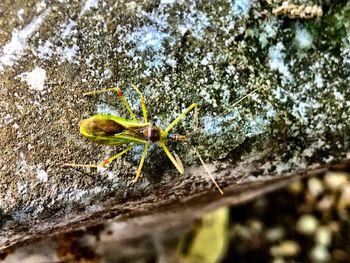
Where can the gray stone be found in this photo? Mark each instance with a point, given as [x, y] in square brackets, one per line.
[177, 53]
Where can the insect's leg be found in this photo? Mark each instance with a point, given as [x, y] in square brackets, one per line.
[196, 128]
[107, 161]
[194, 150]
[138, 173]
[120, 95]
[103, 163]
[176, 163]
[180, 117]
[143, 104]
[243, 98]
[80, 165]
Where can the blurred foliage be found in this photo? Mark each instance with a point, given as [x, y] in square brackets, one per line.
[207, 242]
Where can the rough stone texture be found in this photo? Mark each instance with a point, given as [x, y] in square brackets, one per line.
[177, 53]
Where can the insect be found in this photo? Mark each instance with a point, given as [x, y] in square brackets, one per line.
[112, 130]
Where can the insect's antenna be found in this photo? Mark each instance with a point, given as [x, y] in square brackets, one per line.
[196, 122]
[244, 97]
[206, 168]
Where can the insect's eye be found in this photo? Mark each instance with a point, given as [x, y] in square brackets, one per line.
[101, 127]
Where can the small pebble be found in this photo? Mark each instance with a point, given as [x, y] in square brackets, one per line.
[320, 253]
[334, 226]
[278, 260]
[315, 186]
[274, 234]
[335, 180]
[326, 203]
[287, 248]
[323, 236]
[344, 200]
[296, 187]
[241, 231]
[307, 224]
[255, 225]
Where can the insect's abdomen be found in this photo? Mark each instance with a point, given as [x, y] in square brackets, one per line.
[101, 127]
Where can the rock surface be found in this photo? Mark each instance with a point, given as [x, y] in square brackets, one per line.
[177, 53]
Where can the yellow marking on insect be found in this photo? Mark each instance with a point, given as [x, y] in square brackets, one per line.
[179, 162]
[172, 159]
[142, 100]
[120, 95]
[180, 117]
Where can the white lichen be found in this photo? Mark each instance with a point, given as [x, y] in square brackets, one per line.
[276, 60]
[44, 51]
[13, 50]
[89, 4]
[268, 30]
[194, 21]
[67, 28]
[68, 53]
[22, 188]
[303, 37]
[35, 78]
[41, 175]
[241, 7]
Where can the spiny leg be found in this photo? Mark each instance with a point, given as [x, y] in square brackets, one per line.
[177, 163]
[246, 96]
[194, 150]
[103, 163]
[138, 173]
[120, 95]
[196, 128]
[107, 161]
[206, 168]
[180, 117]
[143, 104]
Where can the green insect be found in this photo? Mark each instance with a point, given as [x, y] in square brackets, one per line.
[112, 130]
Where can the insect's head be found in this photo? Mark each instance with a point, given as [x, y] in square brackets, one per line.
[177, 137]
